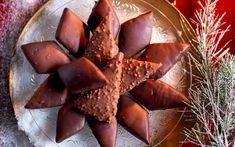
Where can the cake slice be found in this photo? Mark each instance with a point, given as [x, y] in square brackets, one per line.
[69, 122]
[134, 118]
[100, 10]
[156, 95]
[102, 46]
[166, 53]
[135, 34]
[45, 56]
[52, 92]
[101, 104]
[134, 72]
[72, 32]
[105, 133]
[82, 75]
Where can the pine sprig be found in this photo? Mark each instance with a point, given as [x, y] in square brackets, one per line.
[211, 93]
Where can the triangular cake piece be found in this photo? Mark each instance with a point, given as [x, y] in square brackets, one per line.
[135, 34]
[100, 10]
[101, 104]
[69, 122]
[166, 53]
[105, 133]
[72, 32]
[134, 118]
[45, 56]
[102, 46]
[156, 95]
[135, 71]
[82, 75]
[52, 92]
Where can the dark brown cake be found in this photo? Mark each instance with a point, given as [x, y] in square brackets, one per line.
[51, 93]
[69, 122]
[45, 56]
[105, 133]
[156, 95]
[135, 34]
[166, 53]
[134, 118]
[72, 32]
[82, 75]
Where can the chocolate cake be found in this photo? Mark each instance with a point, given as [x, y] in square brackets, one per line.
[105, 133]
[157, 95]
[166, 53]
[69, 122]
[72, 32]
[135, 34]
[99, 12]
[95, 80]
[82, 75]
[102, 46]
[45, 56]
[51, 93]
[134, 118]
[101, 104]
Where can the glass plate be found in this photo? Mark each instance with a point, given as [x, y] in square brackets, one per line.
[40, 125]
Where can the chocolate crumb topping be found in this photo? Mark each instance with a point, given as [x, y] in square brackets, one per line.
[101, 103]
[134, 72]
[102, 46]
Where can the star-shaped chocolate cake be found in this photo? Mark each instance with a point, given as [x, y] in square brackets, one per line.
[103, 83]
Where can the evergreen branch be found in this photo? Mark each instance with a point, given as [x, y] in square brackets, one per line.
[212, 72]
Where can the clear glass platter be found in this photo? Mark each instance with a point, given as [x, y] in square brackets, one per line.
[40, 125]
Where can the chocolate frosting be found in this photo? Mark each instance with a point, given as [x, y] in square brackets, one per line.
[156, 95]
[102, 46]
[166, 53]
[82, 75]
[134, 72]
[51, 93]
[101, 104]
[69, 122]
[105, 133]
[135, 34]
[72, 32]
[45, 56]
[99, 12]
[134, 118]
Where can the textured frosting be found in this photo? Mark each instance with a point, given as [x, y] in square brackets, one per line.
[101, 103]
[102, 46]
[134, 72]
